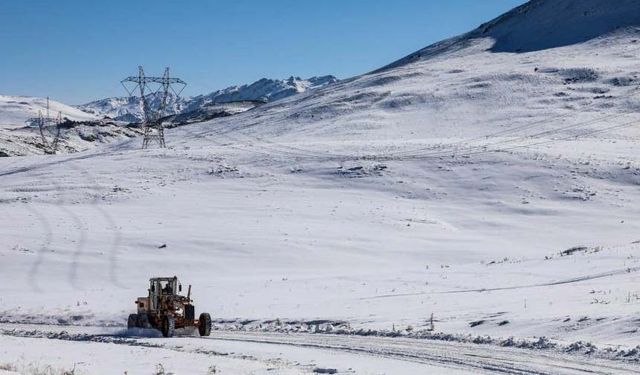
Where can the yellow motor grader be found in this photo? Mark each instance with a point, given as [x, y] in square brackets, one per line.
[165, 309]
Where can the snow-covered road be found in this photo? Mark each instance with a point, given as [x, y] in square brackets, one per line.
[444, 355]
[277, 353]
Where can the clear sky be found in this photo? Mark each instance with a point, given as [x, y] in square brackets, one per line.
[78, 51]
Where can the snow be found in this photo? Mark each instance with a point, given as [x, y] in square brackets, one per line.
[543, 24]
[93, 350]
[19, 138]
[540, 25]
[96, 358]
[121, 108]
[450, 182]
[266, 90]
[16, 110]
[139, 355]
[263, 90]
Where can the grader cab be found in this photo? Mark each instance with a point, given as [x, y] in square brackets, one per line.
[166, 309]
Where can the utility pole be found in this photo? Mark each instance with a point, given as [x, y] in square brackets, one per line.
[153, 129]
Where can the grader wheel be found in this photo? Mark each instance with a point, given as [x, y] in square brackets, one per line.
[168, 326]
[143, 321]
[132, 322]
[204, 324]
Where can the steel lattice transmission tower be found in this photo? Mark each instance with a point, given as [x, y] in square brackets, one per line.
[152, 122]
[44, 122]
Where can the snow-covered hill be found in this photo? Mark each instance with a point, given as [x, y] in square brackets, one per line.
[539, 25]
[16, 110]
[264, 90]
[544, 24]
[81, 130]
[463, 87]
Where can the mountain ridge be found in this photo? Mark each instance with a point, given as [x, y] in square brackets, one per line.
[538, 25]
[263, 90]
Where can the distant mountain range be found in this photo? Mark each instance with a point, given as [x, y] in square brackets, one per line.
[264, 90]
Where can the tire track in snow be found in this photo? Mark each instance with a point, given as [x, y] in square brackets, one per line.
[37, 166]
[6, 166]
[60, 204]
[78, 253]
[475, 358]
[82, 241]
[128, 340]
[112, 226]
[472, 357]
[48, 236]
[263, 147]
[46, 243]
[529, 286]
[45, 223]
[424, 358]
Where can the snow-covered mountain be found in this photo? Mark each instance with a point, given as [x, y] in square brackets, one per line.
[535, 63]
[544, 24]
[539, 25]
[16, 110]
[264, 90]
[128, 108]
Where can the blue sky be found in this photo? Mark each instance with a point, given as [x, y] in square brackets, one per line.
[78, 51]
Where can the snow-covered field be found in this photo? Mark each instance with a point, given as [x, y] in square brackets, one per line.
[497, 191]
[16, 110]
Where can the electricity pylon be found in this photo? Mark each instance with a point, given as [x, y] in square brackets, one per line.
[45, 122]
[153, 129]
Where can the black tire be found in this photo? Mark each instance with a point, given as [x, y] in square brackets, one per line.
[132, 322]
[204, 324]
[143, 321]
[168, 326]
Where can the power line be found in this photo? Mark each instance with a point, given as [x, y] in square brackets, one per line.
[44, 122]
[153, 128]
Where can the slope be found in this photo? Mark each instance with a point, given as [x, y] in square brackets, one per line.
[16, 110]
[539, 25]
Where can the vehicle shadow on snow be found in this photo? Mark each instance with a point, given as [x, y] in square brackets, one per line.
[138, 333]
[153, 333]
